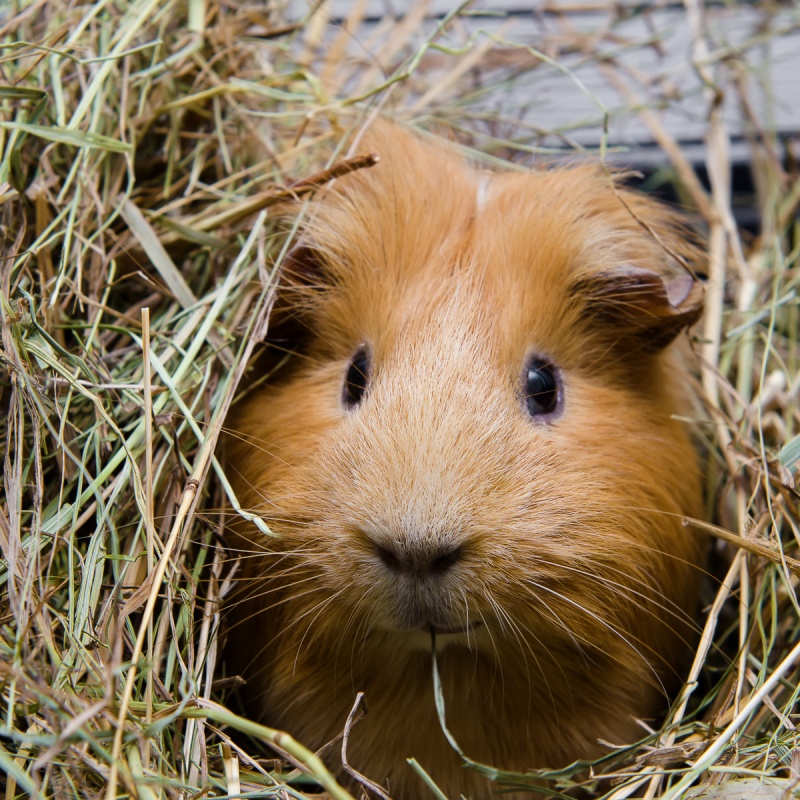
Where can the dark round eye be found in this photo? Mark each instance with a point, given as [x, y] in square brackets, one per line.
[357, 378]
[540, 388]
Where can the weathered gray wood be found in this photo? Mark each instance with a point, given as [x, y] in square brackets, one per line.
[648, 49]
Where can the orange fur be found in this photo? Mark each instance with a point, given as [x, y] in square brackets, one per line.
[572, 553]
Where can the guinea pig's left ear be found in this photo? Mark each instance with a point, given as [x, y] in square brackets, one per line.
[635, 302]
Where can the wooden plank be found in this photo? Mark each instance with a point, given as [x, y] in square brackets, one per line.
[646, 52]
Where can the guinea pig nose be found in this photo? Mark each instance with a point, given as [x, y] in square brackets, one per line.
[443, 561]
[431, 562]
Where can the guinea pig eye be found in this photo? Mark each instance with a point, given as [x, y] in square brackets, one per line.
[541, 388]
[357, 378]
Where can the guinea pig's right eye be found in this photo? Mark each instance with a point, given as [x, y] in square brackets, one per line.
[357, 378]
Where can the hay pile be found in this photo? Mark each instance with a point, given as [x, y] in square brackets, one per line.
[144, 146]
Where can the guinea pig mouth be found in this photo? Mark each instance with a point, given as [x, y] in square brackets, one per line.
[441, 630]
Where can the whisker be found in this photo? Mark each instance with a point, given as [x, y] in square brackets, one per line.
[609, 627]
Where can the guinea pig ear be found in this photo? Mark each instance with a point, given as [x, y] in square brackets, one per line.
[638, 303]
[302, 265]
[300, 272]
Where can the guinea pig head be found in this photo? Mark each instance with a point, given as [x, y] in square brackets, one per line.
[477, 436]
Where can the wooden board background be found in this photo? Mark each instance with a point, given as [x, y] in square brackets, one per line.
[614, 58]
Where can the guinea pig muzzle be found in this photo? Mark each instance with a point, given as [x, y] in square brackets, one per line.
[427, 603]
[422, 585]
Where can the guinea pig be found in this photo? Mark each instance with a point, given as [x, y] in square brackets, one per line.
[477, 440]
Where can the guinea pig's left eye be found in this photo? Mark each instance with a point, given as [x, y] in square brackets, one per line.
[357, 378]
[541, 390]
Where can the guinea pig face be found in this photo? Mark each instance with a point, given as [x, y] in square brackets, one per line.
[477, 437]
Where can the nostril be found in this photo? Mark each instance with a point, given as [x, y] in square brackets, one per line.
[443, 562]
[390, 560]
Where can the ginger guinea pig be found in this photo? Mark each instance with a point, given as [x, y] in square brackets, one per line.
[476, 437]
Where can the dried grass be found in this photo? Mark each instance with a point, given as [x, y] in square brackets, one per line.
[143, 148]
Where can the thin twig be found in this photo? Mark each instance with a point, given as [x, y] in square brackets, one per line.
[351, 771]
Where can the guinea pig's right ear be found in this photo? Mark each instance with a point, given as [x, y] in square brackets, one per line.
[302, 264]
[641, 306]
[301, 273]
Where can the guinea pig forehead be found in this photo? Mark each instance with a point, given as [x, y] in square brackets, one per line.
[526, 278]
[391, 243]
[444, 330]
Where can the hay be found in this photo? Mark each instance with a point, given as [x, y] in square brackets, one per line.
[144, 146]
